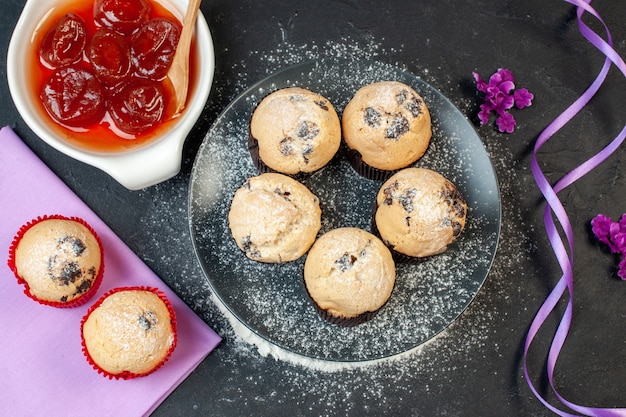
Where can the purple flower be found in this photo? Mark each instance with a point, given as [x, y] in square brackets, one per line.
[613, 234]
[504, 74]
[481, 85]
[621, 272]
[523, 98]
[500, 96]
[484, 113]
[619, 242]
[506, 122]
[600, 226]
[614, 230]
[499, 101]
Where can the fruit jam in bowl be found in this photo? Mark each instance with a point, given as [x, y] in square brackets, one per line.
[90, 79]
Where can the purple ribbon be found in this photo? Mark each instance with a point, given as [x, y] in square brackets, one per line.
[554, 208]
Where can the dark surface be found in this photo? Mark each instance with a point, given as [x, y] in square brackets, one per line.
[474, 367]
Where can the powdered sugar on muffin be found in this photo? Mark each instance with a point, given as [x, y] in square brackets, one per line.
[388, 124]
[129, 332]
[296, 131]
[349, 275]
[58, 259]
[274, 218]
[419, 212]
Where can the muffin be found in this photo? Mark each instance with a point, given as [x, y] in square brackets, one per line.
[293, 131]
[129, 332]
[349, 275]
[419, 213]
[58, 259]
[274, 218]
[386, 127]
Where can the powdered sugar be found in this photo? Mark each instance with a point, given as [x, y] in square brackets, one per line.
[271, 298]
[468, 333]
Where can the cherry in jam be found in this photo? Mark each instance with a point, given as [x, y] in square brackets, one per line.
[105, 66]
[73, 96]
[138, 106]
[64, 42]
[124, 16]
[153, 48]
[109, 55]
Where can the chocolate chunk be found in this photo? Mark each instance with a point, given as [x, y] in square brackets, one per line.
[372, 117]
[250, 248]
[246, 243]
[306, 151]
[457, 228]
[284, 194]
[388, 193]
[83, 287]
[322, 104]
[147, 320]
[70, 272]
[410, 101]
[454, 199]
[143, 323]
[401, 96]
[286, 146]
[398, 127]
[345, 262]
[406, 200]
[71, 244]
[414, 106]
[63, 271]
[458, 208]
[307, 130]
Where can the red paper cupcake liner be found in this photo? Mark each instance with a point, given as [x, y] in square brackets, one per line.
[126, 375]
[76, 302]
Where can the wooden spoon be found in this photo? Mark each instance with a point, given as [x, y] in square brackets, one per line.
[179, 70]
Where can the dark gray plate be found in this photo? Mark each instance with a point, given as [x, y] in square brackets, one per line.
[271, 299]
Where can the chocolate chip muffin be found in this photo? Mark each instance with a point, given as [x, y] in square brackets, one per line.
[129, 332]
[419, 212]
[58, 259]
[274, 218]
[386, 126]
[349, 275]
[294, 130]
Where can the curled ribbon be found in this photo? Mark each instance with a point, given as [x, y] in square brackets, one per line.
[554, 208]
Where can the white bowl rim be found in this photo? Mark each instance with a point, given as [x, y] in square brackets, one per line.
[137, 168]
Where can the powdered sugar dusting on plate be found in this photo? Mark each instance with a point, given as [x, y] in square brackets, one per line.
[271, 299]
[166, 213]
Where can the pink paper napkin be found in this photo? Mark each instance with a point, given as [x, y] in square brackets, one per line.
[42, 368]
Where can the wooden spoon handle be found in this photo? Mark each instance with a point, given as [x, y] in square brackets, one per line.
[179, 70]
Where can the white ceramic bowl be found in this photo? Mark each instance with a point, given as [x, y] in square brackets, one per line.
[138, 168]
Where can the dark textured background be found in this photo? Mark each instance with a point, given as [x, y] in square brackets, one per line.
[474, 368]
